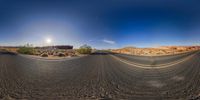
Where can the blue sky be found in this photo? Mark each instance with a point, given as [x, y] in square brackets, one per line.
[101, 24]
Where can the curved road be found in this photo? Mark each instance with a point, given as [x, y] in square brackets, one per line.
[99, 76]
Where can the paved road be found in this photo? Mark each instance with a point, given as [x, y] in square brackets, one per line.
[154, 60]
[98, 76]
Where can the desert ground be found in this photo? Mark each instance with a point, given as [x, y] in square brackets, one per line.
[156, 51]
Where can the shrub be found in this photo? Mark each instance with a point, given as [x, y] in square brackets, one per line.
[26, 50]
[66, 54]
[85, 49]
[55, 54]
[61, 54]
[44, 55]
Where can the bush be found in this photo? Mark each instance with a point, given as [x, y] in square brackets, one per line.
[44, 55]
[61, 54]
[85, 49]
[66, 54]
[26, 50]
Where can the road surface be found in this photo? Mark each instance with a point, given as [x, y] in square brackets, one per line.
[101, 76]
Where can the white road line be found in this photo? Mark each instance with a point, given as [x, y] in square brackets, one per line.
[144, 66]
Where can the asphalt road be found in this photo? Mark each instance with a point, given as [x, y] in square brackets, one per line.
[100, 76]
[154, 59]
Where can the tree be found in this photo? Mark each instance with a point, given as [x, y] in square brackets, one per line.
[85, 49]
[27, 49]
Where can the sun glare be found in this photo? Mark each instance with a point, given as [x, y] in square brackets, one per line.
[48, 40]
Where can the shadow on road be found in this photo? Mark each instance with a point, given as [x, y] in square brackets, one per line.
[100, 53]
[7, 53]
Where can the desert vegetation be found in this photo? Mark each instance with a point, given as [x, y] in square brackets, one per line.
[51, 51]
[26, 50]
[85, 49]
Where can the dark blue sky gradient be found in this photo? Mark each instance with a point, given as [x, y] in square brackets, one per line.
[102, 23]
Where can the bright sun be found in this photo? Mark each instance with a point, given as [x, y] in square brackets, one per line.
[48, 40]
